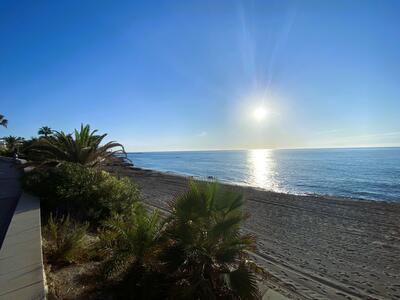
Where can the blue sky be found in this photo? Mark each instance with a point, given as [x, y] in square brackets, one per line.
[180, 75]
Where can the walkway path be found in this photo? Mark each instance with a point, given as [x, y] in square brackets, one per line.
[21, 264]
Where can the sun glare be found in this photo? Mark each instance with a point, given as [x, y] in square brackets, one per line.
[260, 113]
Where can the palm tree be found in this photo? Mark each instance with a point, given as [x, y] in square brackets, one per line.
[26, 145]
[45, 131]
[131, 242]
[197, 253]
[3, 121]
[207, 251]
[130, 239]
[82, 147]
[12, 143]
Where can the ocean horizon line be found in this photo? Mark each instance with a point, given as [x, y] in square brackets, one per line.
[251, 149]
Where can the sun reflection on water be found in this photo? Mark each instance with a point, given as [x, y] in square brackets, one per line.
[262, 169]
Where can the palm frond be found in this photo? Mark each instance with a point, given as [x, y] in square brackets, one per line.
[226, 225]
[244, 283]
[133, 237]
[82, 147]
[3, 121]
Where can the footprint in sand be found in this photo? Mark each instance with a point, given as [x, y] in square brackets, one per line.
[303, 278]
[340, 294]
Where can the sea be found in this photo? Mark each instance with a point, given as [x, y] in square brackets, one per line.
[359, 173]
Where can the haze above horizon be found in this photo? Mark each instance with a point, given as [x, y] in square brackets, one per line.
[191, 75]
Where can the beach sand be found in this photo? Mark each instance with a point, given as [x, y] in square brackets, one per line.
[314, 247]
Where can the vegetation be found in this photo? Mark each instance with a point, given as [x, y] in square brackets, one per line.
[12, 144]
[208, 251]
[64, 240]
[131, 238]
[3, 121]
[82, 147]
[131, 243]
[197, 252]
[16, 145]
[85, 193]
[45, 131]
[26, 144]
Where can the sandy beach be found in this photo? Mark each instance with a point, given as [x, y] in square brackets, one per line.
[314, 247]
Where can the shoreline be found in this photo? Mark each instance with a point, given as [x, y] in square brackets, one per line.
[312, 246]
[244, 185]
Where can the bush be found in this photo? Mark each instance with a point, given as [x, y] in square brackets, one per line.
[130, 238]
[131, 244]
[207, 252]
[198, 252]
[64, 240]
[5, 152]
[86, 194]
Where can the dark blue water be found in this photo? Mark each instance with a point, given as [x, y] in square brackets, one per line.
[366, 173]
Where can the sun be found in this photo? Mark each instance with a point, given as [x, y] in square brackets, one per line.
[260, 113]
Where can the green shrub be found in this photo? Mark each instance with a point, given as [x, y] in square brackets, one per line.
[5, 152]
[198, 252]
[207, 252]
[64, 240]
[130, 243]
[86, 194]
[129, 239]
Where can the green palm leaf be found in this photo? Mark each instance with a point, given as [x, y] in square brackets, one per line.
[82, 147]
[3, 121]
[243, 282]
